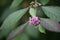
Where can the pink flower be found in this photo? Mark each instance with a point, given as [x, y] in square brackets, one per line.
[34, 21]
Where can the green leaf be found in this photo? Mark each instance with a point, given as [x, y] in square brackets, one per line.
[11, 21]
[32, 31]
[44, 1]
[40, 12]
[52, 12]
[41, 29]
[32, 11]
[7, 12]
[50, 24]
[22, 36]
[15, 3]
[17, 31]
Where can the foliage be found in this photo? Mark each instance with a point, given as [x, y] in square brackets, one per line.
[12, 28]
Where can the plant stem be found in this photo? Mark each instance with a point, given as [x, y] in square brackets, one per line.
[35, 1]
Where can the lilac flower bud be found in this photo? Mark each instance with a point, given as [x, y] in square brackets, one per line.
[34, 21]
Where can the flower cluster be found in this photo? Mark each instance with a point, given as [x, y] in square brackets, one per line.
[34, 21]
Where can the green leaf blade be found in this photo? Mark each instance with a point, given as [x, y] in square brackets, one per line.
[32, 11]
[17, 31]
[52, 12]
[11, 21]
[49, 24]
[43, 2]
[15, 3]
[41, 29]
[22, 36]
[7, 12]
[32, 31]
